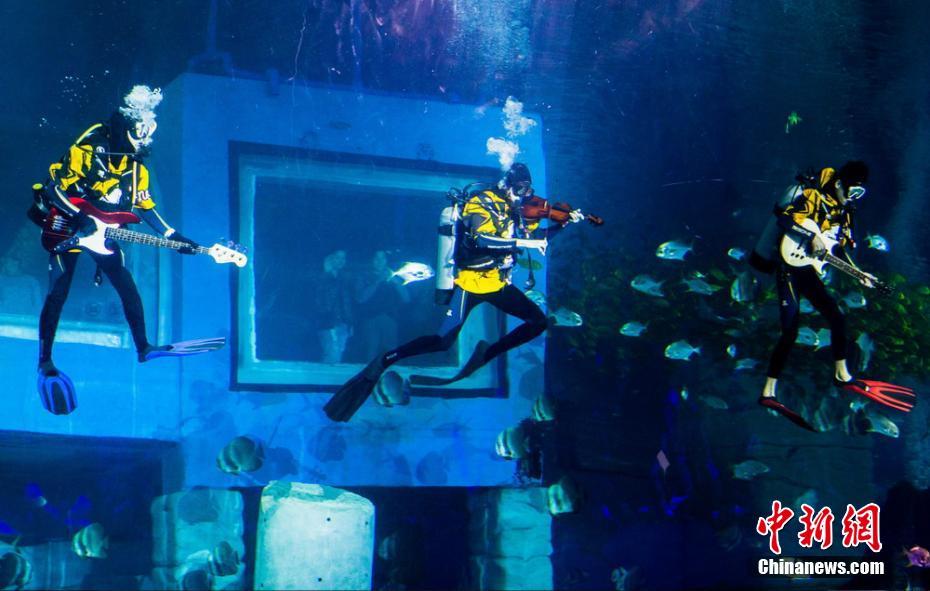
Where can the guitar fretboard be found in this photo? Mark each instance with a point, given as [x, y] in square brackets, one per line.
[151, 240]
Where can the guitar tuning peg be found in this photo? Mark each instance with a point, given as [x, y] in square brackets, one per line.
[230, 244]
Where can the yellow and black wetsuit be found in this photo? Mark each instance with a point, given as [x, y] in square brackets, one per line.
[484, 258]
[101, 167]
[793, 283]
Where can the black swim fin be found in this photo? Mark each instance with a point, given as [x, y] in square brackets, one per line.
[772, 404]
[891, 395]
[475, 362]
[352, 395]
[182, 348]
[56, 390]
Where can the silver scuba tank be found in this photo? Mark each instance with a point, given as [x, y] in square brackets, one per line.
[765, 254]
[445, 251]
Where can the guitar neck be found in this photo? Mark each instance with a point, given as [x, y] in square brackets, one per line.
[150, 239]
[844, 266]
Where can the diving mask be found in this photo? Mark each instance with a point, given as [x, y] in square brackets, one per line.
[855, 193]
[140, 136]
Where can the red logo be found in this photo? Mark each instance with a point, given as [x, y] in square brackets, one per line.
[859, 526]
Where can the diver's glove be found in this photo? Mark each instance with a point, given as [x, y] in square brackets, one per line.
[539, 245]
[191, 245]
[442, 297]
[575, 216]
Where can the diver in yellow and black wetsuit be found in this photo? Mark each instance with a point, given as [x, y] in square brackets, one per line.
[105, 167]
[494, 233]
[831, 206]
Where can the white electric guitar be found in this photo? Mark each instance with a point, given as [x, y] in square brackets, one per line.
[795, 251]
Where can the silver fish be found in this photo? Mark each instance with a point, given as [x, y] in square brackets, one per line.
[737, 254]
[392, 390]
[91, 542]
[673, 250]
[647, 285]
[743, 288]
[714, 402]
[854, 300]
[699, 286]
[823, 338]
[882, 425]
[633, 329]
[684, 393]
[411, 272]
[864, 341]
[565, 317]
[536, 297]
[746, 364]
[806, 307]
[732, 351]
[807, 336]
[877, 242]
[681, 350]
[749, 469]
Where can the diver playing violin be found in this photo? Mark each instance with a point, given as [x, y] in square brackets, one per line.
[494, 226]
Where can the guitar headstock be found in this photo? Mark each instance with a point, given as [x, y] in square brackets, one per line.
[231, 253]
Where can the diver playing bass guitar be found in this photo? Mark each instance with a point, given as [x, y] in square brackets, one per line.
[59, 235]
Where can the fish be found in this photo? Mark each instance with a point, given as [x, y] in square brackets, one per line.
[663, 460]
[647, 285]
[536, 297]
[732, 351]
[714, 402]
[749, 469]
[531, 264]
[633, 329]
[807, 336]
[681, 350]
[35, 497]
[625, 579]
[876, 242]
[683, 393]
[699, 286]
[916, 556]
[882, 425]
[565, 317]
[224, 560]
[865, 344]
[808, 497]
[793, 120]
[823, 338]
[736, 254]
[563, 497]
[91, 542]
[392, 390]
[854, 300]
[827, 276]
[744, 287]
[746, 363]
[411, 272]
[806, 307]
[511, 443]
[673, 250]
[543, 409]
[15, 570]
[242, 454]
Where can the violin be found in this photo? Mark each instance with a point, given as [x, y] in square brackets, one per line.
[536, 208]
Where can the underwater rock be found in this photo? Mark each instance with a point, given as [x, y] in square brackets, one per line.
[312, 536]
[242, 454]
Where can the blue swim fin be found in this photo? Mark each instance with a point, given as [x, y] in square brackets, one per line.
[182, 348]
[56, 390]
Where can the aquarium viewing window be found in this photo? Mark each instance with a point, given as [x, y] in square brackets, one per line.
[325, 231]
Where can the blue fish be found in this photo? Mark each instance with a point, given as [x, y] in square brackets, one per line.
[681, 350]
[565, 317]
[673, 250]
[807, 336]
[732, 351]
[864, 341]
[749, 469]
[746, 364]
[854, 300]
[699, 286]
[647, 285]
[806, 307]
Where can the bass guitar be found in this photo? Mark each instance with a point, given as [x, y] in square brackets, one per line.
[795, 251]
[59, 235]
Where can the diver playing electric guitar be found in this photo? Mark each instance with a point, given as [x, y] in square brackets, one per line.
[796, 252]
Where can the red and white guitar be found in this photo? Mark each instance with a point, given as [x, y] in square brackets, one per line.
[58, 235]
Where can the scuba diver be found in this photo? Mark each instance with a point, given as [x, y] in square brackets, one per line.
[491, 232]
[103, 167]
[815, 218]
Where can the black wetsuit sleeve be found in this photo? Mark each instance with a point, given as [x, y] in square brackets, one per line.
[155, 221]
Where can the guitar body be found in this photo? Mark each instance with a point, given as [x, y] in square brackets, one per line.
[794, 249]
[58, 229]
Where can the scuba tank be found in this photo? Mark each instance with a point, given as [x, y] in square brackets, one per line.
[450, 220]
[764, 257]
